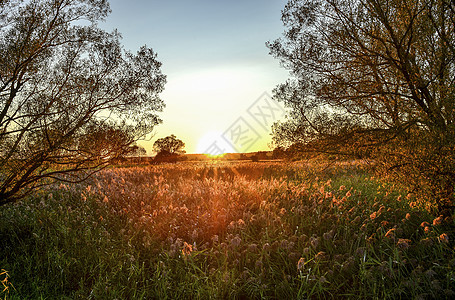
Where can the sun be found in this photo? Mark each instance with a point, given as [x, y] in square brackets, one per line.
[213, 144]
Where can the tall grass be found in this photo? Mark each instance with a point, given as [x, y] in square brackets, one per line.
[227, 230]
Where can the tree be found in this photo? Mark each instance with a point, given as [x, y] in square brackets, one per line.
[374, 76]
[138, 151]
[168, 149]
[278, 153]
[71, 99]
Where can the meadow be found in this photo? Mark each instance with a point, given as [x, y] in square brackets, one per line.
[227, 230]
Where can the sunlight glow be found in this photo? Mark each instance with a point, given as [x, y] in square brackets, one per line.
[215, 157]
[213, 144]
[212, 99]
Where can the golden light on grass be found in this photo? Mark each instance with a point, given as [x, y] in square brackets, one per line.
[215, 157]
[267, 223]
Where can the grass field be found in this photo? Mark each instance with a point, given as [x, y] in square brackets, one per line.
[226, 231]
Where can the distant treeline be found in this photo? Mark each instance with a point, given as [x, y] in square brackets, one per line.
[251, 156]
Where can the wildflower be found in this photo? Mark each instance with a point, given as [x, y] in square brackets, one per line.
[187, 249]
[184, 209]
[314, 241]
[427, 229]
[348, 194]
[235, 242]
[408, 216]
[231, 225]
[438, 221]
[444, 238]
[321, 255]
[252, 247]
[403, 243]
[373, 216]
[282, 211]
[424, 224]
[342, 188]
[306, 250]
[215, 238]
[390, 234]
[321, 190]
[303, 238]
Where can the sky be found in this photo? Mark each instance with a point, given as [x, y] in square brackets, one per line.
[220, 75]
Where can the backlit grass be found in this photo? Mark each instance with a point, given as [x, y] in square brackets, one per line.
[227, 230]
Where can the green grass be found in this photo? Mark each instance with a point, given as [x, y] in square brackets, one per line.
[226, 231]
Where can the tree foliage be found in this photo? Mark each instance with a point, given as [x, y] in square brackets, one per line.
[376, 78]
[138, 150]
[168, 148]
[71, 98]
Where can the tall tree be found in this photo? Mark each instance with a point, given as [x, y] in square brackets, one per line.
[377, 76]
[71, 99]
[169, 145]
